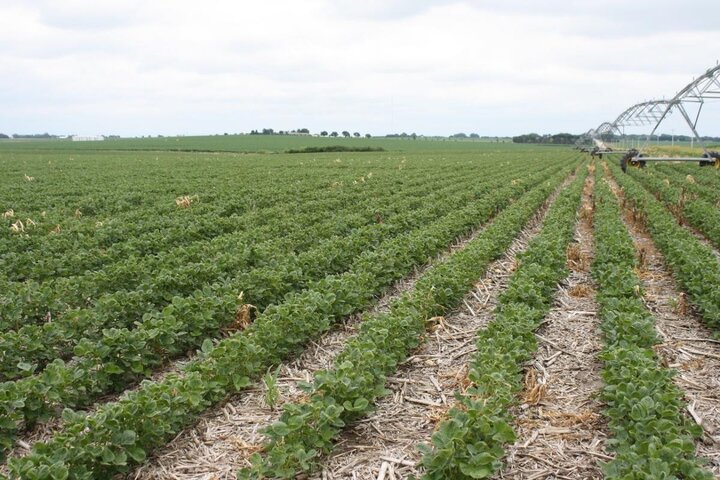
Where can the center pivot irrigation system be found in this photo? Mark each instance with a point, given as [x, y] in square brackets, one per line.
[693, 96]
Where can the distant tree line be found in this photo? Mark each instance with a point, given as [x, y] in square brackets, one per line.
[556, 139]
[29, 135]
[270, 131]
[402, 135]
[305, 131]
[455, 136]
[344, 133]
[472, 136]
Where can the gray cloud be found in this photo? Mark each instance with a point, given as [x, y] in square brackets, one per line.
[426, 66]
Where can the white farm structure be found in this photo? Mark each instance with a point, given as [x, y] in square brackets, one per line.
[87, 138]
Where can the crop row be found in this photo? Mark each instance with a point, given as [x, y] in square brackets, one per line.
[98, 185]
[651, 436]
[692, 264]
[154, 224]
[226, 187]
[150, 232]
[307, 430]
[697, 212]
[34, 345]
[150, 226]
[705, 178]
[121, 356]
[72, 253]
[279, 331]
[470, 443]
[181, 270]
[100, 189]
[693, 181]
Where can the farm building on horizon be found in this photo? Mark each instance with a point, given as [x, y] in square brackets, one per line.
[87, 138]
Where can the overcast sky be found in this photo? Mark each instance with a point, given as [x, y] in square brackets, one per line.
[433, 67]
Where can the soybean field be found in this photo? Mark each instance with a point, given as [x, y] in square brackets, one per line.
[204, 309]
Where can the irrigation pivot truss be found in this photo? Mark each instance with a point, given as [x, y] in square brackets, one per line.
[641, 114]
[702, 89]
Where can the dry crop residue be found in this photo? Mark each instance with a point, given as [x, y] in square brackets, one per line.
[384, 445]
[227, 435]
[561, 431]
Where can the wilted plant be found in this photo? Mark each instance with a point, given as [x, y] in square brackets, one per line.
[185, 201]
[17, 227]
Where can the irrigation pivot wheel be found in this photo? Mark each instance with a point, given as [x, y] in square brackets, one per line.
[632, 158]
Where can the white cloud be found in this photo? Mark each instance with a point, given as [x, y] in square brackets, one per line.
[428, 66]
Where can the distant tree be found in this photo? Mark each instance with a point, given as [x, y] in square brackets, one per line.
[474, 135]
[2, 135]
[413, 136]
[527, 138]
[367, 135]
[334, 134]
[303, 130]
[324, 133]
[563, 138]
[33, 135]
[345, 133]
[459, 135]
[556, 139]
[356, 134]
[267, 131]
